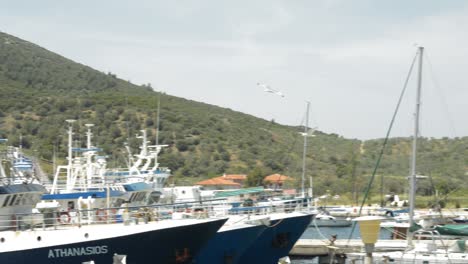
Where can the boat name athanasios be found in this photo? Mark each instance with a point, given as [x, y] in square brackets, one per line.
[79, 251]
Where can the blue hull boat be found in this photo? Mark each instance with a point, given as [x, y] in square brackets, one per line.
[277, 239]
[157, 242]
[229, 243]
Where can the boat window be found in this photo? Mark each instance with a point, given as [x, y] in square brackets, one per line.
[25, 200]
[137, 197]
[18, 200]
[13, 200]
[140, 196]
[132, 197]
[7, 198]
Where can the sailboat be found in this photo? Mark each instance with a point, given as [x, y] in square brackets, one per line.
[420, 251]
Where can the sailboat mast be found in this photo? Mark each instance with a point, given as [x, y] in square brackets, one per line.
[70, 146]
[306, 131]
[412, 192]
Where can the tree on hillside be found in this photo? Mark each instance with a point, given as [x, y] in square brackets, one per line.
[255, 177]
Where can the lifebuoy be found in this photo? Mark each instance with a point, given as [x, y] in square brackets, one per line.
[64, 218]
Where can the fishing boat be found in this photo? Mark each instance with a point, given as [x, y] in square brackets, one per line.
[50, 241]
[281, 225]
[277, 240]
[145, 168]
[19, 194]
[29, 234]
[83, 183]
[420, 251]
[232, 240]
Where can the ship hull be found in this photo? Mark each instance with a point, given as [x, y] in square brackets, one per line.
[277, 239]
[170, 244]
[228, 245]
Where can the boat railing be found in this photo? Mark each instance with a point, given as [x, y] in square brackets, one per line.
[94, 185]
[53, 218]
[47, 218]
[125, 172]
[16, 180]
[221, 207]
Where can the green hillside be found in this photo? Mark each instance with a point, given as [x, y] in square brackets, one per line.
[40, 90]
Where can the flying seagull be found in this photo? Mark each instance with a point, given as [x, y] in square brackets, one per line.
[268, 89]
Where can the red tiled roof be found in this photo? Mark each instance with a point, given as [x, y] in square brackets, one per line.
[276, 178]
[217, 181]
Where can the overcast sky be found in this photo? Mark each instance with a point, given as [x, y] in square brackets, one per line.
[348, 58]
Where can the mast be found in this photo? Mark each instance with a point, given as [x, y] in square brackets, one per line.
[306, 128]
[89, 154]
[70, 145]
[412, 179]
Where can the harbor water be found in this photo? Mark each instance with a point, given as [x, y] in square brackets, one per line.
[325, 233]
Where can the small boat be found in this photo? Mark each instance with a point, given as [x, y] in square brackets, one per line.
[425, 251]
[460, 230]
[326, 220]
[461, 219]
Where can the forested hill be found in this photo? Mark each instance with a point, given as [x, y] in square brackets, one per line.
[40, 90]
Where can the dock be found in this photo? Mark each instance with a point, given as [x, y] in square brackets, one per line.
[319, 247]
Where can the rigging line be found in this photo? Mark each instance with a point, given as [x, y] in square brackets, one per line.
[441, 96]
[318, 230]
[384, 144]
